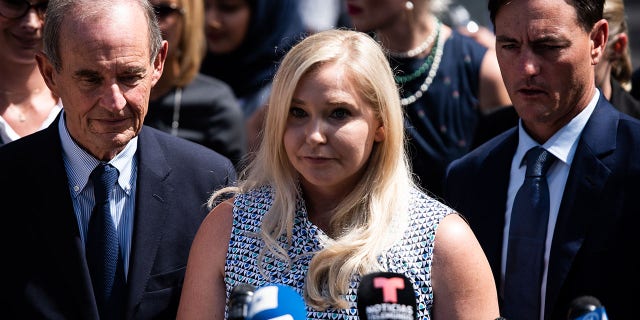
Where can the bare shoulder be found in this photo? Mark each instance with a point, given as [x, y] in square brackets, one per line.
[203, 293]
[463, 284]
[452, 233]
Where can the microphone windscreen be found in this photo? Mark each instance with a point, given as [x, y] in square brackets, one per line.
[386, 295]
[239, 300]
[586, 307]
[277, 302]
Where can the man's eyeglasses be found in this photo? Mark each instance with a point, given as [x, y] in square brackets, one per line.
[164, 10]
[15, 9]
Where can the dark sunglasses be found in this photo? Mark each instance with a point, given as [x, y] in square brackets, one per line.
[164, 10]
[15, 9]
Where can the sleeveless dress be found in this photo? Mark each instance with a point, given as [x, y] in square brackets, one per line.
[411, 256]
[441, 124]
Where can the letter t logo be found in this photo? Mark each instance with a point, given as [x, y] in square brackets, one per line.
[389, 288]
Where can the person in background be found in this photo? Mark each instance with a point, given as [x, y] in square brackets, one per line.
[569, 169]
[329, 197]
[613, 73]
[185, 102]
[447, 80]
[99, 211]
[245, 41]
[26, 104]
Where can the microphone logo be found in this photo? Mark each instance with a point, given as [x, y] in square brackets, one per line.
[386, 296]
[389, 288]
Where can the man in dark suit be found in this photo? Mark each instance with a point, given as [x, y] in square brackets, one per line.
[547, 51]
[101, 58]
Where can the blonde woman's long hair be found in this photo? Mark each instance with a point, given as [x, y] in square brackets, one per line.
[373, 215]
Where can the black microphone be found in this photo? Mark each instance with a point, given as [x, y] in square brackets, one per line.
[586, 308]
[386, 296]
[239, 301]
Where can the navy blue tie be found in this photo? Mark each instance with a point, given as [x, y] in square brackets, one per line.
[527, 237]
[103, 253]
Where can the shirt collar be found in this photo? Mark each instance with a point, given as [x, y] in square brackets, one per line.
[81, 163]
[563, 143]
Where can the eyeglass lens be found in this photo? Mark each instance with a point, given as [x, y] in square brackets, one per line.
[14, 9]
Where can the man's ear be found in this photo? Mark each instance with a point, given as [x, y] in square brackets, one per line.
[599, 35]
[158, 63]
[47, 71]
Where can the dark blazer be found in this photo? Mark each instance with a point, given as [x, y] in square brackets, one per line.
[44, 265]
[209, 115]
[595, 240]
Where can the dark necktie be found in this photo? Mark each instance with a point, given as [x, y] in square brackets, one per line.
[527, 237]
[103, 253]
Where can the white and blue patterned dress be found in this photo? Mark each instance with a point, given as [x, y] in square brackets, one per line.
[412, 256]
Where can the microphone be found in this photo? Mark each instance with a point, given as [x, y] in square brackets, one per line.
[239, 300]
[386, 296]
[586, 308]
[277, 302]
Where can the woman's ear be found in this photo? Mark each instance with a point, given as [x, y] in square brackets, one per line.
[380, 134]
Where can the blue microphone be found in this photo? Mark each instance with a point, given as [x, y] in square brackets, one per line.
[587, 308]
[277, 302]
[386, 296]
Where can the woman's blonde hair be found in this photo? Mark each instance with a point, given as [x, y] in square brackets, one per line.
[371, 217]
[621, 68]
[192, 46]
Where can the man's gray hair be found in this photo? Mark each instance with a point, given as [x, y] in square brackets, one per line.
[58, 10]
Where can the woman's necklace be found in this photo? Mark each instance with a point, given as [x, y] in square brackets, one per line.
[439, 49]
[419, 49]
[423, 68]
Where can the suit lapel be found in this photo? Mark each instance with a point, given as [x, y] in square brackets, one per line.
[493, 199]
[152, 191]
[587, 177]
[58, 229]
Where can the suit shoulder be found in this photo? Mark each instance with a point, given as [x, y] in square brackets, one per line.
[176, 147]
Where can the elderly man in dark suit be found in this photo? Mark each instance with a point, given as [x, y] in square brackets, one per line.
[578, 187]
[99, 211]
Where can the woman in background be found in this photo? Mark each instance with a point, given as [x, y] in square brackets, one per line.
[245, 40]
[447, 80]
[26, 103]
[185, 102]
[613, 72]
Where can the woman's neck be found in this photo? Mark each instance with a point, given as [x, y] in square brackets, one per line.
[25, 99]
[405, 35]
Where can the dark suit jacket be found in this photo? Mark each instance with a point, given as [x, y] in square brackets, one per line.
[596, 235]
[44, 266]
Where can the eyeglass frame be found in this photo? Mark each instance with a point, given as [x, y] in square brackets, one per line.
[169, 8]
[39, 7]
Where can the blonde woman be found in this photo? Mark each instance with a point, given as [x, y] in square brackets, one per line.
[329, 198]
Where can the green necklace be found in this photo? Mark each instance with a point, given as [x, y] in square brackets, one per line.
[425, 66]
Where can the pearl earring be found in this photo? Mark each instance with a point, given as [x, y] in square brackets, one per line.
[408, 5]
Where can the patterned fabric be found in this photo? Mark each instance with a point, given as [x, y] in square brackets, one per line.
[411, 256]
